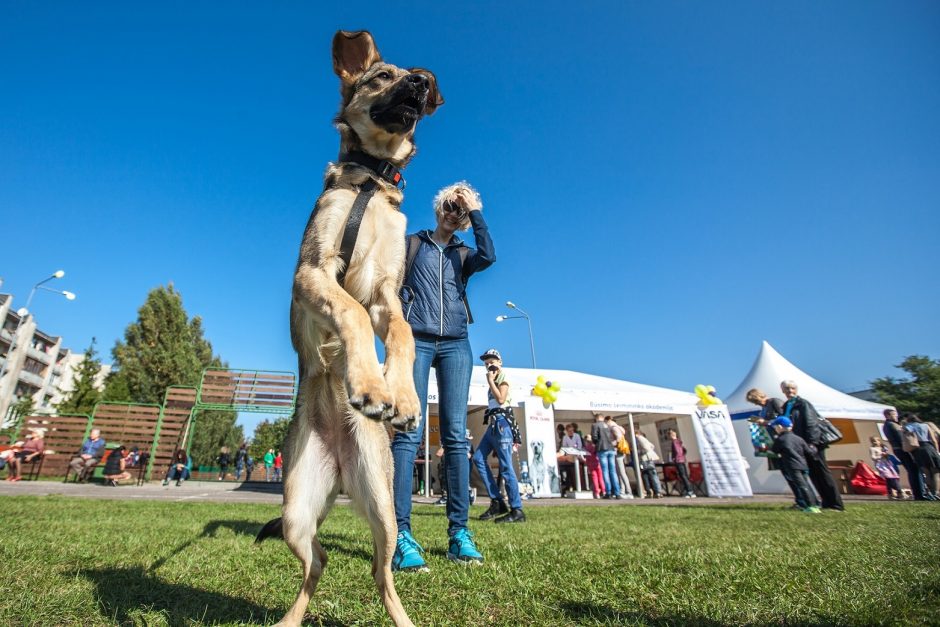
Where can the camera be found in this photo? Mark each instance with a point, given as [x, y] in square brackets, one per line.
[492, 368]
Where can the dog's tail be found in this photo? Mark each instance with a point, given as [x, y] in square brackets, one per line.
[272, 529]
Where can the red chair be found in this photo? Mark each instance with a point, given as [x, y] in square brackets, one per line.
[697, 477]
[670, 479]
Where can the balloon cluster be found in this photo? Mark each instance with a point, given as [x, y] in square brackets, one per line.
[706, 395]
[546, 390]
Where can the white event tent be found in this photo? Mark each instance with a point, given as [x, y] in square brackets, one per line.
[649, 408]
[856, 418]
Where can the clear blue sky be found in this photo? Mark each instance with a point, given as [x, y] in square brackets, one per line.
[667, 184]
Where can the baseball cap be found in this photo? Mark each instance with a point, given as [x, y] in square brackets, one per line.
[782, 421]
[491, 354]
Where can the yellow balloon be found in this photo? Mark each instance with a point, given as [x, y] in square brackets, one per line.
[706, 395]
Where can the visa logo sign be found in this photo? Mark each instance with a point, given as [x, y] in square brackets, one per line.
[709, 414]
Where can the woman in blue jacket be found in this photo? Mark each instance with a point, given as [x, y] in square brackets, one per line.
[434, 301]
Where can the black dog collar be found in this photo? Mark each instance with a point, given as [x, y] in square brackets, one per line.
[383, 169]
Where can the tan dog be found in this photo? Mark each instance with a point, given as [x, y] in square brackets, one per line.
[337, 438]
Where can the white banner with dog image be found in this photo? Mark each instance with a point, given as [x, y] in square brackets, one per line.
[539, 438]
[722, 464]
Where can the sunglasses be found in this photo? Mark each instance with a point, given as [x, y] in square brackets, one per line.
[455, 209]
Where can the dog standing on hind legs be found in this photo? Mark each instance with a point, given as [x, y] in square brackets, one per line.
[345, 292]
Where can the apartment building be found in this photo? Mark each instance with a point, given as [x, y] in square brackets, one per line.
[32, 361]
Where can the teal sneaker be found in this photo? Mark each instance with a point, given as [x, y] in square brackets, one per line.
[812, 509]
[408, 554]
[462, 549]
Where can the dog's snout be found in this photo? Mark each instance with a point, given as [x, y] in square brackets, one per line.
[419, 81]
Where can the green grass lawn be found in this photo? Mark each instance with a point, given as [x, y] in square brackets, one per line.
[85, 562]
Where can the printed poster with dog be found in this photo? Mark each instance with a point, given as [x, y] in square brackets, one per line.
[540, 447]
[721, 458]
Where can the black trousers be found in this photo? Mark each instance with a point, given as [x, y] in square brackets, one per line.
[801, 490]
[914, 476]
[823, 481]
[683, 471]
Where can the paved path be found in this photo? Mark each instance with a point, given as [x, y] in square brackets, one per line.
[231, 492]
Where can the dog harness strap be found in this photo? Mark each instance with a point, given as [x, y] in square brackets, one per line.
[351, 233]
[384, 169]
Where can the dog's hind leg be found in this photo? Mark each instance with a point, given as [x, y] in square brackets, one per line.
[367, 477]
[310, 487]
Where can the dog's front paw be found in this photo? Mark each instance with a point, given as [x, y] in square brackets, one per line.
[405, 423]
[407, 413]
[373, 401]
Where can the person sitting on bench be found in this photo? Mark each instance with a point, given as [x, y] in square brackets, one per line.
[88, 457]
[32, 449]
[179, 468]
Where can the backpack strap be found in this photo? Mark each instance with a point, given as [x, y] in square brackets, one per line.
[463, 251]
[414, 242]
[351, 233]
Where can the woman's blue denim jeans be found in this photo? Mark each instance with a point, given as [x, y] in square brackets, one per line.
[453, 362]
[608, 461]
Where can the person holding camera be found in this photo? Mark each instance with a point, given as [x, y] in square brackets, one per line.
[502, 436]
[438, 265]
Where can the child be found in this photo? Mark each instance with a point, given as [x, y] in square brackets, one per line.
[793, 451]
[594, 468]
[888, 472]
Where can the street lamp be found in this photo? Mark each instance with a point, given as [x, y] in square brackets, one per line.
[512, 305]
[24, 311]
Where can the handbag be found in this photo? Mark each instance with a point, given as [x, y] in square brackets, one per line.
[622, 447]
[909, 441]
[828, 432]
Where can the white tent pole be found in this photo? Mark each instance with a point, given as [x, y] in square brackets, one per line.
[636, 459]
[427, 450]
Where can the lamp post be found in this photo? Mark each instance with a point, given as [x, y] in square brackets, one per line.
[23, 312]
[512, 305]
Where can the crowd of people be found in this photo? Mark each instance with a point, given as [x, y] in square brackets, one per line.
[606, 454]
[800, 442]
[914, 444]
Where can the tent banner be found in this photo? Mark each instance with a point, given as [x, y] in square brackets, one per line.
[724, 470]
[539, 438]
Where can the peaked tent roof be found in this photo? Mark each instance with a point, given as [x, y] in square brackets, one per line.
[770, 368]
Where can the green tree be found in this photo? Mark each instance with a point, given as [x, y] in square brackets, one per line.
[23, 407]
[918, 393]
[268, 434]
[164, 347]
[84, 394]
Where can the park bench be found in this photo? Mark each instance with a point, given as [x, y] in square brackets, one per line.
[178, 404]
[63, 438]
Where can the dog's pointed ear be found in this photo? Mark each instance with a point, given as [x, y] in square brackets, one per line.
[435, 99]
[354, 52]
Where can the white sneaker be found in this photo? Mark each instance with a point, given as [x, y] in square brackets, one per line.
[628, 496]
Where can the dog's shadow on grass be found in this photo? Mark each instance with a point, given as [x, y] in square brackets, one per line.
[330, 542]
[120, 591]
[211, 529]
